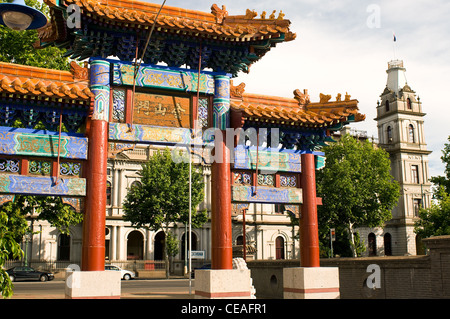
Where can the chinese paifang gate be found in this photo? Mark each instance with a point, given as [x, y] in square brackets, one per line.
[185, 77]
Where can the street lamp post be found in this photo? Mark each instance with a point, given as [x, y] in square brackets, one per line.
[18, 16]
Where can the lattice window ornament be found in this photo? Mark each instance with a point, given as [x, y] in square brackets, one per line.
[119, 105]
[39, 168]
[9, 165]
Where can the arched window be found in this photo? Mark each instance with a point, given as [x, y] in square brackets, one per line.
[389, 134]
[388, 244]
[372, 244]
[279, 248]
[135, 184]
[63, 247]
[108, 193]
[135, 246]
[408, 104]
[160, 240]
[387, 106]
[411, 134]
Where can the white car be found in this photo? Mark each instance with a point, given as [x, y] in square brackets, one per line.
[126, 274]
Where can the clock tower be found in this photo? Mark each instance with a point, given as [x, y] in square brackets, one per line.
[400, 120]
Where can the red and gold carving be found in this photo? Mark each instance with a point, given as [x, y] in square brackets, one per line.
[161, 110]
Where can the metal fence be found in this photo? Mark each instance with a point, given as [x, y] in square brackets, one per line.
[133, 265]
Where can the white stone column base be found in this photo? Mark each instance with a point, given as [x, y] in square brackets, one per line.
[223, 284]
[93, 285]
[311, 283]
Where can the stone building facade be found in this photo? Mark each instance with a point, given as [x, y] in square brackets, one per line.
[400, 121]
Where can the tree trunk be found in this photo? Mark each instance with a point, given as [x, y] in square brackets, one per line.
[166, 253]
[352, 239]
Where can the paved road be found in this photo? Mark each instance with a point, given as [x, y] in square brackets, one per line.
[133, 289]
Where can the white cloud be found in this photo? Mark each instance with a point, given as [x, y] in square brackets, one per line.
[337, 52]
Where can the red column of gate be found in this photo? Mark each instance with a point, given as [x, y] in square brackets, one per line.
[221, 230]
[309, 230]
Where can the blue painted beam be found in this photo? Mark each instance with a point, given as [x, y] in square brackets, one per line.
[29, 185]
[27, 142]
[266, 195]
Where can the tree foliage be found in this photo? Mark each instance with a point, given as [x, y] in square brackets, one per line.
[357, 189]
[9, 248]
[443, 182]
[14, 226]
[435, 221]
[161, 199]
[17, 46]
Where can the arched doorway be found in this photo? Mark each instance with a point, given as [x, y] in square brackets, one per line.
[388, 244]
[160, 240]
[372, 244]
[63, 247]
[183, 244]
[279, 248]
[135, 246]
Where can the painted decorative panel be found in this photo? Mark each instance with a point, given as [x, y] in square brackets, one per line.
[267, 195]
[28, 185]
[152, 77]
[41, 143]
[203, 113]
[162, 110]
[101, 104]
[5, 199]
[288, 181]
[268, 160]
[70, 169]
[119, 105]
[242, 178]
[266, 180]
[221, 103]
[320, 162]
[100, 74]
[148, 134]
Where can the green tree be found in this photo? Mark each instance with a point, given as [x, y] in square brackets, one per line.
[357, 190]
[9, 248]
[17, 46]
[435, 221]
[443, 182]
[13, 226]
[162, 198]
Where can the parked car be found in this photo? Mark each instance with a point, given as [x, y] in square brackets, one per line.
[28, 273]
[126, 274]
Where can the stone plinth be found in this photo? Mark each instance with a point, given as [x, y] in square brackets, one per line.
[93, 285]
[223, 284]
[311, 283]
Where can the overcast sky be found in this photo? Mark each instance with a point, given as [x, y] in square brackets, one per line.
[344, 46]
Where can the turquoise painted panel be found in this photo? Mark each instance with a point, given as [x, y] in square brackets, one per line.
[269, 160]
[153, 77]
[41, 143]
[148, 134]
[266, 195]
[28, 185]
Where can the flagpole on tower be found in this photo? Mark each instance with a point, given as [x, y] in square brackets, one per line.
[394, 43]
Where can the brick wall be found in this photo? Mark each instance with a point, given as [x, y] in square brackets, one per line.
[410, 277]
